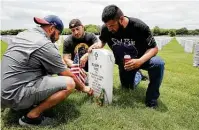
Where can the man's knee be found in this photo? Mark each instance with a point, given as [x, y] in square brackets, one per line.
[161, 63]
[70, 83]
[158, 62]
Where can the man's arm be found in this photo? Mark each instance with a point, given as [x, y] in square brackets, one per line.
[67, 51]
[67, 59]
[136, 63]
[52, 61]
[149, 40]
[151, 47]
[95, 41]
[84, 59]
[68, 73]
[97, 45]
[149, 54]
[79, 85]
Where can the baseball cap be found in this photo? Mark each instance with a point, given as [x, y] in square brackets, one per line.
[75, 23]
[50, 19]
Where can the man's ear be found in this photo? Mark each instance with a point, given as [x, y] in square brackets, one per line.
[51, 29]
[121, 20]
[83, 27]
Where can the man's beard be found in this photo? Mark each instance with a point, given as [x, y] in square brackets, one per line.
[52, 37]
[120, 29]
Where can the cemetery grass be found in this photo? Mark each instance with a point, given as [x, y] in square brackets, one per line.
[3, 48]
[178, 103]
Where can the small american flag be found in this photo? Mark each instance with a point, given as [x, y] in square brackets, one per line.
[78, 71]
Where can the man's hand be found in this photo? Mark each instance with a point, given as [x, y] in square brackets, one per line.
[83, 60]
[132, 64]
[67, 60]
[136, 63]
[79, 85]
[96, 45]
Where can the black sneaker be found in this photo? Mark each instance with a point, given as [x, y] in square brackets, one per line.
[152, 104]
[47, 113]
[41, 120]
[144, 78]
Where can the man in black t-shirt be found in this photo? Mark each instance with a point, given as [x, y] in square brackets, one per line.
[130, 36]
[76, 45]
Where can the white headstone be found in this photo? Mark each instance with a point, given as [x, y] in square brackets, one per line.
[196, 55]
[101, 65]
[159, 44]
[7, 39]
[189, 46]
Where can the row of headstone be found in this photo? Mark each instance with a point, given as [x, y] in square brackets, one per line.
[162, 41]
[188, 43]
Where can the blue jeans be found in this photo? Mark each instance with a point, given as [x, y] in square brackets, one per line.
[155, 68]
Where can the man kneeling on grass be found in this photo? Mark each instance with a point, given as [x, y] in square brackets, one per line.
[130, 36]
[27, 67]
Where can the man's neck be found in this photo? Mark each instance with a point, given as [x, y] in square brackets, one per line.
[126, 21]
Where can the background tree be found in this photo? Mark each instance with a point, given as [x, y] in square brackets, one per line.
[92, 28]
[172, 33]
[156, 31]
[182, 31]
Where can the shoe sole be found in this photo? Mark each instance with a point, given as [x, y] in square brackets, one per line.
[24, 124]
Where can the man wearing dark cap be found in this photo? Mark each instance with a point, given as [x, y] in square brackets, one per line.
[76, 45]
[27, 66]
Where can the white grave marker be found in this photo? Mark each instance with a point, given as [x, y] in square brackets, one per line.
[189, 46]
[196, 55]
[101, 65]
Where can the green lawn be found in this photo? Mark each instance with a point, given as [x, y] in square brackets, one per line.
[178, 103]
[3, 48]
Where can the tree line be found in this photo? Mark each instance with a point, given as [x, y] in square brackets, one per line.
[96, 30]
[173, 32]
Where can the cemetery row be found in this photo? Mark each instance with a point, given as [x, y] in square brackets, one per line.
[162, 41]
[190, 45]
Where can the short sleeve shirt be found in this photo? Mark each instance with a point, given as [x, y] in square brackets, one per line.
[30, 56]
[78, 47]
[134, 40]
[73, 45]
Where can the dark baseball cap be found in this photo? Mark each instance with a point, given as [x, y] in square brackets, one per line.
[50, 19]
[75, 23]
